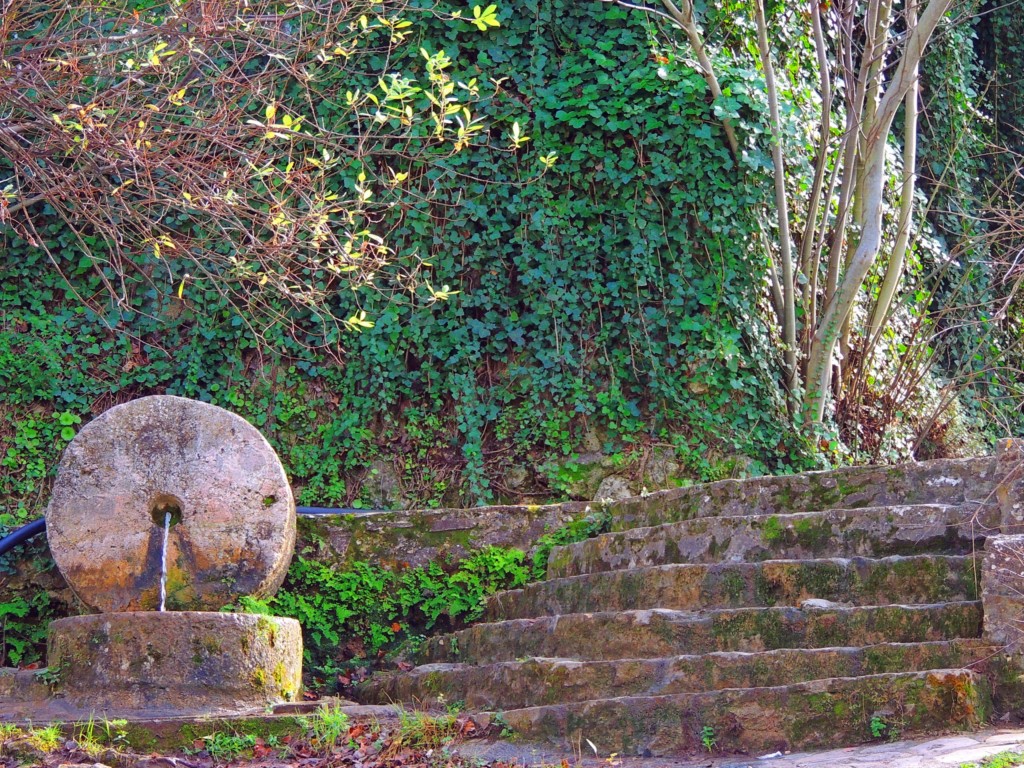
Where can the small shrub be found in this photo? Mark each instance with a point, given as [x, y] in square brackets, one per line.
[46, 739]
[328, 726]
[421, 730]
[225, 747]
[707, 738]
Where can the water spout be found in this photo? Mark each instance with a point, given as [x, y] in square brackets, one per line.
[163, 562]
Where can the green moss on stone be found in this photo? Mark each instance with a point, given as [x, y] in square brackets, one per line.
[814, 536]
[733, 586]
[771, 530]
[259, 678]
[766, 590]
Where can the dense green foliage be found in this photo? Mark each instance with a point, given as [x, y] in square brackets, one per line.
[619, 290]
[30, 598]
[365, 609]
[619, 295]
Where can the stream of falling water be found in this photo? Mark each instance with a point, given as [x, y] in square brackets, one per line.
[163, 563]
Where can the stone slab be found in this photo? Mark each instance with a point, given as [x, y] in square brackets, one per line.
[809, 715]
[944, 481]
[659, 633]
[1002, 590]
[534, 682]
[232, 511]
[867, 532]
[181, 661]
[851, 581]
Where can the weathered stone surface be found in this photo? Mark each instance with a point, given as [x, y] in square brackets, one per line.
[119, 664]
[856, 581]
[880, 561]
[947, 481]
[1002, 585]
[761, 720]
[415, 537]
[1010, 491]
[657, 633]
[233, 516]
[870, 532]
[22, 685]
[539, 681]
[382, 486]
[613, 488]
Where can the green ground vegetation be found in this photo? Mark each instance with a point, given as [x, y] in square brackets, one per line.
[616, 295]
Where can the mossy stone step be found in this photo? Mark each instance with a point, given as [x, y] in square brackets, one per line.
[946, 481]
[540, 681]
[858, 581]
[821, 713]
[868, 532]
[659, 632]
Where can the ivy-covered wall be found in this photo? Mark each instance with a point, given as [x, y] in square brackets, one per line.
[615, 296]
[611, 305]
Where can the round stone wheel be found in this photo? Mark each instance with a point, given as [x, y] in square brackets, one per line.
[175, 662]
[232, 515]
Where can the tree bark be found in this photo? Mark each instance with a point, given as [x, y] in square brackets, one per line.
[894, 270]
[838, 308]
[781, 205]
[683, 15]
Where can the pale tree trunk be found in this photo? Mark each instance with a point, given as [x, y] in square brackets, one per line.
[683, 15]
[781, 205]
[838, 307]
[809, 252]
[894, 270]
[877, 23]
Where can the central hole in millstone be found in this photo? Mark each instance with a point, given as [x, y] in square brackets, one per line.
[162, 504]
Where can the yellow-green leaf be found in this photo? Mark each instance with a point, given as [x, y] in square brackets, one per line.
[485, 17]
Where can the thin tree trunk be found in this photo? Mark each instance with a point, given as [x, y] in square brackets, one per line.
[877, 23]
[683, 15]
[837, 310]
[807, 252]
[781, 204]
[850, 143]
[894, 271]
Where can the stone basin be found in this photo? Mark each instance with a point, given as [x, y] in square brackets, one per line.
[163, 664]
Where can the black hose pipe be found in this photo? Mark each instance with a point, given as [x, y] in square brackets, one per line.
[317, 511]
[23, 534]
[20, 536]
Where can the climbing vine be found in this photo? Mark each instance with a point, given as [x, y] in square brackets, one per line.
[617, 290]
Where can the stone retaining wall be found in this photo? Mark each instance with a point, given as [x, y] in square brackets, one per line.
[415, 537]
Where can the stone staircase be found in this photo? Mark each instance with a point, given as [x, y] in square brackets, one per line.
[780, 613]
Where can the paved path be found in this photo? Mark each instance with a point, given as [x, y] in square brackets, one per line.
[943, 752]
[931, 753]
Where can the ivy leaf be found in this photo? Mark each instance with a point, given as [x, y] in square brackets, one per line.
[488, 17]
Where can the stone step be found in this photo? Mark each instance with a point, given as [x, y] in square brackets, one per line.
[946, 481]
[660, 632]
[868, 532]
[755, 721]
[858, 581]
[540, 681]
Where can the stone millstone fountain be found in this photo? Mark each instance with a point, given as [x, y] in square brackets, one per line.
[164, 510]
